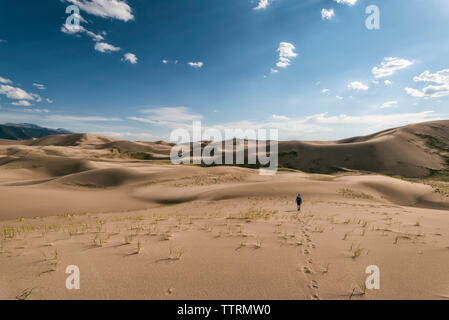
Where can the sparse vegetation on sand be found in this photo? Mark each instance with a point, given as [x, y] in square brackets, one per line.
[128, 239]
[434, 142]
[139, 247]
[359, 290]
[175, 254]
[254, 214]
[25, 294]
[98, 240]
[258, 243]
[356, 250]
[349, 193]
[209, 179]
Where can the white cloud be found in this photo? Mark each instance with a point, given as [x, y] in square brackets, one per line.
[106, 47]
[319, 126]
[348, 2]
[17, 93]
[388, 82]
[376, 119]
[289, 128]
[5, 81]
[198, 64]
[325, 91]
[115, 9]
[357, 85]
[327, 14]
[177, 114]
[164, 61]
[94, 36]
[49, 100]
[131, 57]
[79, 118]
[36, 97]
[286, 53]
[272, 70]
[278, 117]
[388, 104]
[37, 110]
[167, 116]
[263, 4]
[128, 135]
[339, 98]
[389, 66]
[22, 103]
[441, 78]
[73, 29]
[39, 86]
[429, 91]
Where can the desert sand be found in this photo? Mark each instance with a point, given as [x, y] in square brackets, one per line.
[147, 229]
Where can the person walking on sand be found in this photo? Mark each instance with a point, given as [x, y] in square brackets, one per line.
[299, 201]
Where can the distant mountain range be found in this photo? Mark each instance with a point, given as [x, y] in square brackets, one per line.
[25, 131]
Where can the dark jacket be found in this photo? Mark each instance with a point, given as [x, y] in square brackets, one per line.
[298, 200]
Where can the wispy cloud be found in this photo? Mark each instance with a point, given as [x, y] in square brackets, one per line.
[348, 2]
[167, 116]
[198, 64]
[278, 117]
[79, 118]
[357, 85]
[37, 110]
[388, 104]
[16, 93]
[106, 47]
[39, 86]
[68, 29]
[129, 135]
[441, 78]
[318, 126]
[286, 53]
[394, 119]
[262, 4]
[315, 126]
[389, 66]
[327, 14]
[5, 81]
[115, 9]
[22, 103]
[130, 57]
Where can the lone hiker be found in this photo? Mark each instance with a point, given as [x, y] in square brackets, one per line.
[299, 201]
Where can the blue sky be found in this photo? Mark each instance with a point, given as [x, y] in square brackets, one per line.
[138, 69]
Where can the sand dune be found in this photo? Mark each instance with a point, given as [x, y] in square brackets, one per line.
[411, 151]
[401, 151]
[148, 229]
